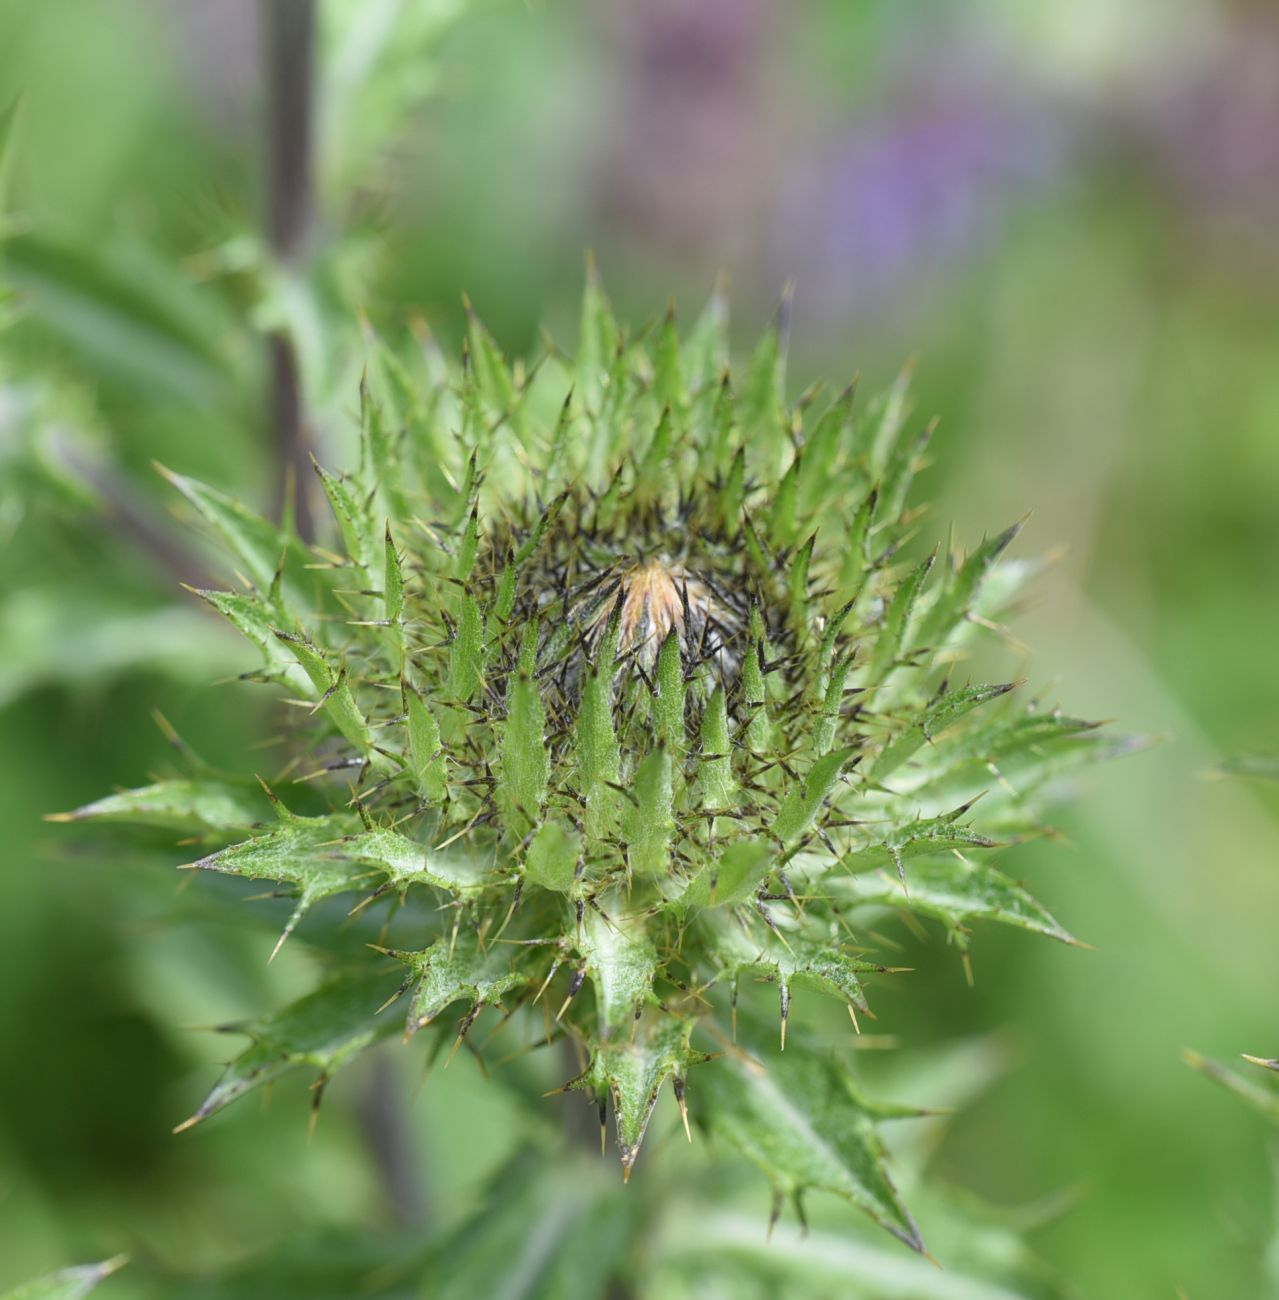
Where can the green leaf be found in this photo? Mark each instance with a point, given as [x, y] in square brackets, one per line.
[257, 622]
[959, 592]
[426, 756]
[300, 852]
[713, 1251]
[797, 960]
[405, 862]
[761, 409]
[492, 376]
[939, 715]
[552, 857]
[800, 808]
[622, 963]
[257, 544]
[923, 837]
[892, 634]
[466, 653]
[129, 313]
[68, 1283]
[650, 822]
[526, 765]
[324, 1030]
[733, 876]
[598, 756]
[718, 789]
[904, 460]
[822, 449]
[832, 705]
[460, 969]
[802, 1123]
[669, 705]
[352, 510]
[954, 891]
[631, 1073]
[192, 807]
[334, 690]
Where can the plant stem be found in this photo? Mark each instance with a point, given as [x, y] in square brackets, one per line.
[289, 68]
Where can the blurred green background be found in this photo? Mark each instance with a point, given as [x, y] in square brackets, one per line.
[1065, 213]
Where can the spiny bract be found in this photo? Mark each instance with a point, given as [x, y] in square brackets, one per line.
[623, 676]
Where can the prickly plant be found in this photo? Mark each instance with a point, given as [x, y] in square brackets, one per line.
[620, 682]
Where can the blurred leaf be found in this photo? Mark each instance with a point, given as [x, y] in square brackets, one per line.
[68, 1283]
[704, 1252]
[552, 1228]
[127, 312]
[1260, 1097]
[195, 807]
[1262, 767]
[66, 635]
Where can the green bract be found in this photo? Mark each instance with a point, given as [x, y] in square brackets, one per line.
[618, 680]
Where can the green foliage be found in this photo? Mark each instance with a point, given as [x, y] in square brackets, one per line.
[589, 688]
[68, 1283]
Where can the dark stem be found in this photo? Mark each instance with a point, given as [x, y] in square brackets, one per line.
[389, 1137]
[578, 1113]
[289, 70]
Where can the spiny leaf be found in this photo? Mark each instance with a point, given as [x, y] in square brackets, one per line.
[888, 644]
[928, 725]
[324, 1030]
[393, 581]
[460, 969]
[257, 544]
[466, 653]
[334, 690]
[797, 960]
[718, 789]
[800, 809]
[956, 597]
[922, 837]
[257, 622]
[352, 510]
[621, 961]
[671, 694]
[632, 1072]
[733, 876]
[649, 820]
[526, 765]
[955, 892]
[801, 1122]
[426, 756]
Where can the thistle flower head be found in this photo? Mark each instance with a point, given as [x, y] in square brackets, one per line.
[624, 679]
